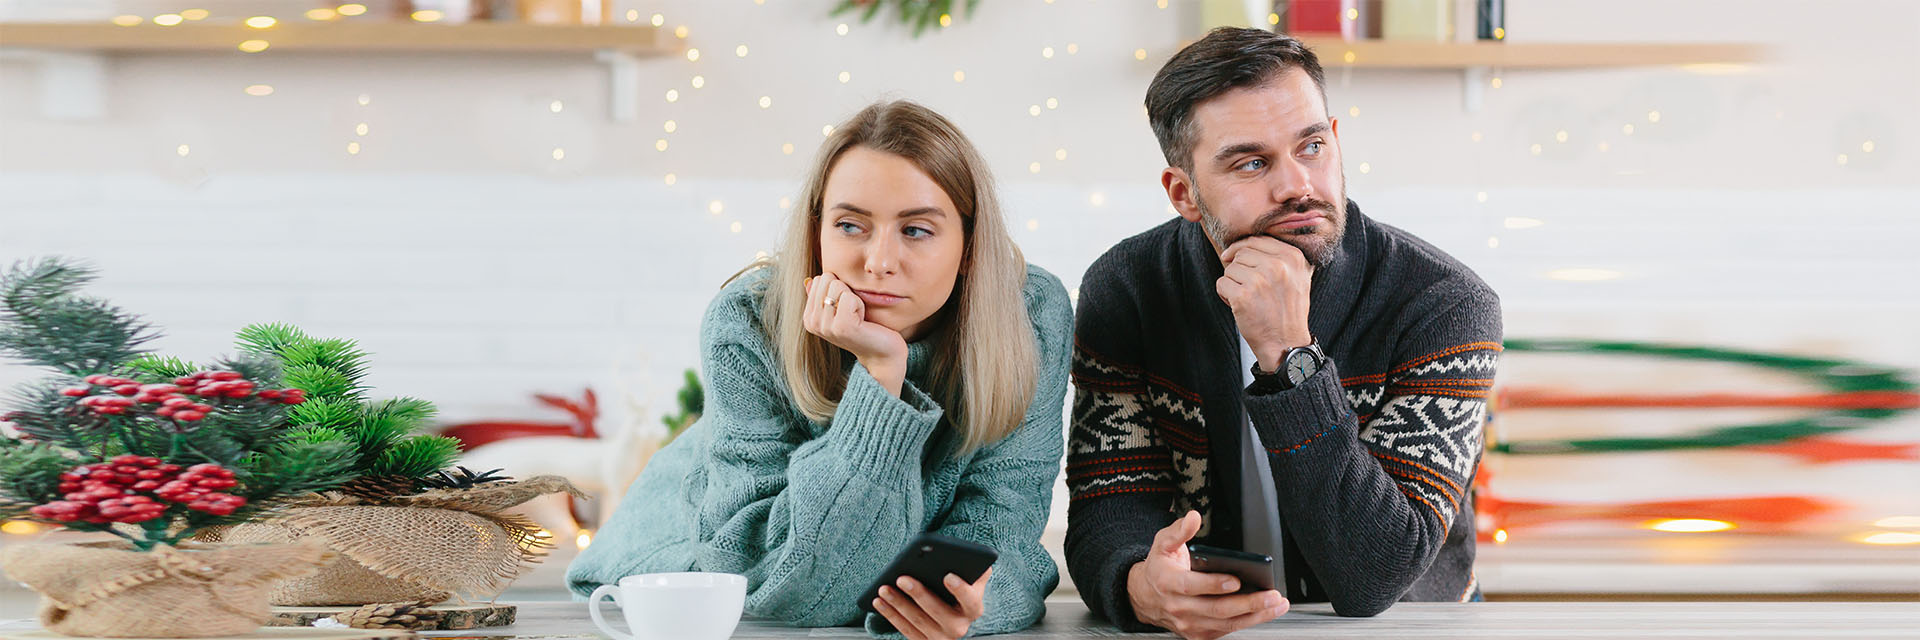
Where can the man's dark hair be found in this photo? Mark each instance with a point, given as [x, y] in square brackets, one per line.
[1228, 58]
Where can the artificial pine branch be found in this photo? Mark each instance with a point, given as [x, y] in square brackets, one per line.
[416, 457]
[300, 467]
[392, 455]
[316, 434]
[42, 323]
[343, 356]
[272, 339]
[157, 368]
[411, 410]
[29, 283]
[333, 413]
[390, 422]
[323, 383]
[29, 475]
[46, 416]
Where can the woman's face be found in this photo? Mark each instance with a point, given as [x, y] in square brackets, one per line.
[893, 236]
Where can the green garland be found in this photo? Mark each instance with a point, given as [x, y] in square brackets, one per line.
[1832, 375]
[920, 14]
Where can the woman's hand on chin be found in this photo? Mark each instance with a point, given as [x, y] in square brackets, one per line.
[838, 315]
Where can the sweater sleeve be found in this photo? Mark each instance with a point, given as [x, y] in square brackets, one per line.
[780, 504]
[1369, 500]
[1120, 472]
[1006, 492]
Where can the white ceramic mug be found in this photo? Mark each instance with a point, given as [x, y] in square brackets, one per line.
[674, 606]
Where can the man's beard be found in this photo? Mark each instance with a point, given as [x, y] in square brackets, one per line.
[1320, 247]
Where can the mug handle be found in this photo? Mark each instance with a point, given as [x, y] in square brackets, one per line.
[593, 607]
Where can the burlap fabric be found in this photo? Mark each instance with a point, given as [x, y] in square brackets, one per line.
[109, 590]
[429, 547]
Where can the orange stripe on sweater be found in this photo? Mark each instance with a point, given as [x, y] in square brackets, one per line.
[1118, 490]
[1436, 474]
[1133, 387]
[1109, 472]
[1452, 502]
[1436, 511]
[1450, 393]
[1306, 442]
[1471, 346]
[1445, 382]
[1143, 456]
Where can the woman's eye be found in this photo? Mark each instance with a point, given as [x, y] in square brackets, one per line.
[847, 227]
[917, 232]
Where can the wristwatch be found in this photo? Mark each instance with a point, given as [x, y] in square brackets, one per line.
[1299, 363]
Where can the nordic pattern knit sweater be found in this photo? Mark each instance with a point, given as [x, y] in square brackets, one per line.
[1372, 457]
[810, 512]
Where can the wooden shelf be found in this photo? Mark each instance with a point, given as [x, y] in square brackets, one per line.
[73, 57]
[341, 37]
[1389, 54]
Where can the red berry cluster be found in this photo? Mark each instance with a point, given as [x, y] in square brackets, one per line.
[200, 489]
[208, 386]
[111, 491]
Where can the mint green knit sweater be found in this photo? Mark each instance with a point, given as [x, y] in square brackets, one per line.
[811, 512]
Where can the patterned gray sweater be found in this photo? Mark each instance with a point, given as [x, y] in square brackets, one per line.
[1373, 457]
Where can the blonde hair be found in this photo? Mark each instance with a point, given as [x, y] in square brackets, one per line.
[984, 359]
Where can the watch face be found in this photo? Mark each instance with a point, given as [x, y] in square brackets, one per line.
[1300, 366]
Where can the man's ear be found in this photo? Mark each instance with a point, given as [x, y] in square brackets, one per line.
[1180, 192]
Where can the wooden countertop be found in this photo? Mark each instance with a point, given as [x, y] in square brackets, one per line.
[1427, 621]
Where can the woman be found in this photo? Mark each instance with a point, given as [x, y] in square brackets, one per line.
[897, 369]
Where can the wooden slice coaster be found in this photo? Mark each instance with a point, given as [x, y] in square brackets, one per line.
[267, 633]
[452, 616]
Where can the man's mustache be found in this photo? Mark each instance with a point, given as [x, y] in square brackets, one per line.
[1295, 206]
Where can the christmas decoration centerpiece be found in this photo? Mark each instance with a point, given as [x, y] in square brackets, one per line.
[409, 527]
[118, 441]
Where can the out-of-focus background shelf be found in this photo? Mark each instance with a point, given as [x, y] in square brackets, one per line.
[1397, 54]
[73, 62]
[476, 37]
[1475, 59]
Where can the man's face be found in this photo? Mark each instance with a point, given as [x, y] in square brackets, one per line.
[1266, 160]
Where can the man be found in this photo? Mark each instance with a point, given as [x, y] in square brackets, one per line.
[1370, 353]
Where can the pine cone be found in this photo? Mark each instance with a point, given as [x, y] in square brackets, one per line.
[380, 488]
[412, 616]
[462, 478]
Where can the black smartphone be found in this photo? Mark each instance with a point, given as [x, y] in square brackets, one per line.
[1254, 570]
[928, 559]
